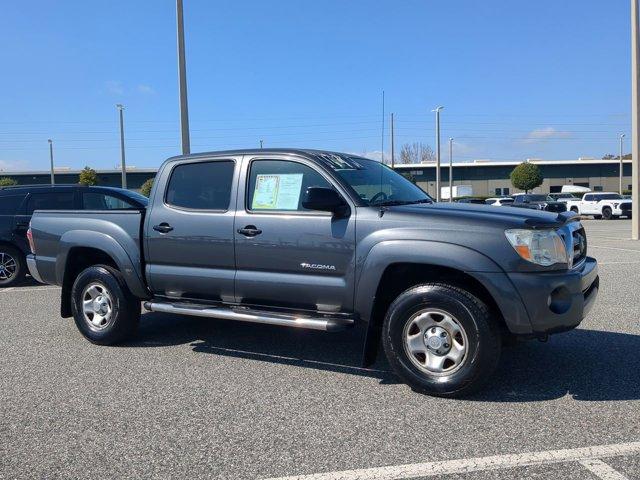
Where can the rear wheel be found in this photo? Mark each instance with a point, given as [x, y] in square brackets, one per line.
[607, 214]
[441, 340]
[104, 310]
[574, 209]
[13, 267]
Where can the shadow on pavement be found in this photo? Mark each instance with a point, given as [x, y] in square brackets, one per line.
[339, 352]
[589, 365]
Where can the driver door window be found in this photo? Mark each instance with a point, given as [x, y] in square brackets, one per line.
[276, 185]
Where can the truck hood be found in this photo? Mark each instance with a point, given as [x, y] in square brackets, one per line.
[480, 215]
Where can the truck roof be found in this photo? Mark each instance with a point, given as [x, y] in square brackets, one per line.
[305, 152]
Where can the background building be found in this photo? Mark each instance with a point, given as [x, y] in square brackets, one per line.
[486, 178]
[493, 178]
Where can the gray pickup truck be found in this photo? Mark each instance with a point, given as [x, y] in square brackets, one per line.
[326, 241]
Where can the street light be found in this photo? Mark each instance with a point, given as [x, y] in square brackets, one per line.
[621, 166]
[437, 112]
[182, 82]
[53, 179]
[635, 121]
[450, 169]
[123, 166]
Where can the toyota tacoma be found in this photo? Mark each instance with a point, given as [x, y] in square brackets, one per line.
[326, 241]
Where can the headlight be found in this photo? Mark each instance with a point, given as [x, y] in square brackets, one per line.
[542, 247]
[615, 205]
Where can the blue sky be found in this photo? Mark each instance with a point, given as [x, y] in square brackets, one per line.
[544, 79]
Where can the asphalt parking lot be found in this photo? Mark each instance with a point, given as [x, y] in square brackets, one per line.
[196, 398]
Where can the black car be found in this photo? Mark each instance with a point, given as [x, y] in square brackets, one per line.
[536, 201]
[18, 203]
[479, 201]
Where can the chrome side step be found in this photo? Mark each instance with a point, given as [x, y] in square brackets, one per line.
[327, 324]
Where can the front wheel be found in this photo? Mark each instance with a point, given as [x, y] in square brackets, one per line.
[607, 214]
[441, 340]
[104, 310]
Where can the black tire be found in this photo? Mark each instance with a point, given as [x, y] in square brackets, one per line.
[124, 309]
[574, 209]
[13, 266]
[483, 339]
[607, 213]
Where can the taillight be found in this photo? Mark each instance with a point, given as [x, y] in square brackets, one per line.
[32, 247]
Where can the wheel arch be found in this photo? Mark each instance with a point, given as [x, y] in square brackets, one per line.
[417, 262]
[82, 249]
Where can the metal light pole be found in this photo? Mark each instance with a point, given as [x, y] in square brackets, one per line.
[437, 111]
[123, 166]
[182, 82]
[635, 121]
[393, 154]
[260, 143]
[53, 179]
[621, 166]
[450, 170]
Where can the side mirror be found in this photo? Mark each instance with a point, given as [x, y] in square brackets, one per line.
[325, 200]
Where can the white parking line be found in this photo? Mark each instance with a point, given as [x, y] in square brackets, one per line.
[602, 470]
[614, 248]
[466, 465]
[27, 289]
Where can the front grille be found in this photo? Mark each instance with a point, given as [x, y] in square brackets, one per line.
[625, 207]
[556, 207]
[579, 245]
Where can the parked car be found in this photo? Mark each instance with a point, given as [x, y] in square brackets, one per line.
[18, 203]
[479, 201]
[499, 201]
[562, 197]
[324, 241]
[607, 205]
[537, 201]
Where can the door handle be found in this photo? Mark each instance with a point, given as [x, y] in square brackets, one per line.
[249, 231]
[164, 227]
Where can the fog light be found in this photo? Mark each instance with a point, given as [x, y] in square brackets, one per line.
[559, 300]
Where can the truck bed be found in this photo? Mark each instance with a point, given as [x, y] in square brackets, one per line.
[56, 232]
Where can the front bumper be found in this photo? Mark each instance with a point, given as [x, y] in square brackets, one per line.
[558, 301]
[33, 269]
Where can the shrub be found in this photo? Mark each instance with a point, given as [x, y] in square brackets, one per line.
[145, 189]
[7, 182]
[88, 176]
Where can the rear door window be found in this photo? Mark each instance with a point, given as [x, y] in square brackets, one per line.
[201, 185]
[104, 201]
[9, 204]
[51, 201]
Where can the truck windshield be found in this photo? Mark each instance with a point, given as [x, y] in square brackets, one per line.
[375, 183]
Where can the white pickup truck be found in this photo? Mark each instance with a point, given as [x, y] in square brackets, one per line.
[605, 205]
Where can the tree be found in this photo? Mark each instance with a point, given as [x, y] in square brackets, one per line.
[145, 189]
[526, 176]
[408, 176]
[416, 152]
[7, 182]
[88, 176]
[608, 156]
